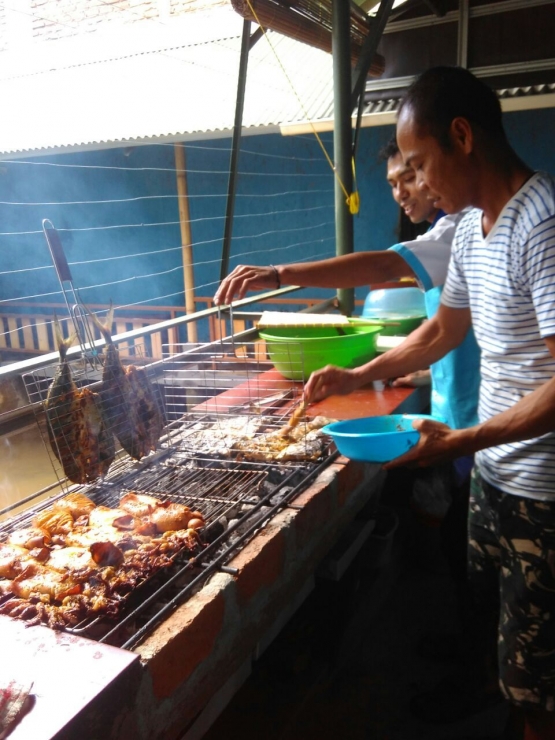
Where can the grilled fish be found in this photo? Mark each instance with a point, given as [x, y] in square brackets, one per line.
[78, 434]
[304, 442]
[130, 405]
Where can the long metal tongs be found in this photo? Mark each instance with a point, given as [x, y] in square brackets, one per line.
[75, 306]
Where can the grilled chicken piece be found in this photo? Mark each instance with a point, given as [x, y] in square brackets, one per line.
[103, 516]
[76, 503]
[139, 504]
[165, 516]
[54, 521]
[30, 537]
[70, 558]
[39, 579]
[13, 560]
[78, 433]
[129, 403]
[171, 517]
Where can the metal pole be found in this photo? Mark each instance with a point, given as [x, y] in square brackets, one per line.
[186, 238]
[462, 45]
[341, 21]
[232, 184]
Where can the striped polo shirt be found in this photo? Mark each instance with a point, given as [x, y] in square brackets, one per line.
[508, 281]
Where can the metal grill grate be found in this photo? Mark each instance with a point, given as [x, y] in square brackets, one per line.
[219, 404]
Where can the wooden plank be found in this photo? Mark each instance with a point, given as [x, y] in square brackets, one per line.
[173, 339]
[42, 334]
[14, 334]
[121, 328]
[3, 335]
[156, 338]
[260, 350]
[28, 341]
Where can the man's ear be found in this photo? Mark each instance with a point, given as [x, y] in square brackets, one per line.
[462, 135]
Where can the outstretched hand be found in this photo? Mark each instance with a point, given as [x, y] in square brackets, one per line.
[242, 279]
[437, 444]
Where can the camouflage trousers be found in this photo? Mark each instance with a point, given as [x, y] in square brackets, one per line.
[512, 576]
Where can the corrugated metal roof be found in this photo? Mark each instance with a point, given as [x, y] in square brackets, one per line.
[390, 105]
[168, 84]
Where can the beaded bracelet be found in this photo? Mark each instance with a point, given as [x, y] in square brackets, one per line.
[278, 279]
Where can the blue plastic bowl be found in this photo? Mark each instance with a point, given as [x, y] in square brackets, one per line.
[376, 439]
[409, 301]
[404, 306]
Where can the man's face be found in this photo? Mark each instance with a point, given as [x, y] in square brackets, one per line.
[443, 176]
[415, 202]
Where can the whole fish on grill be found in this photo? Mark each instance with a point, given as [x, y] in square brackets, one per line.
[77, 430]
[130, 405]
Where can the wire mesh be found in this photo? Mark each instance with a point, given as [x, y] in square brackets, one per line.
[90, 418]
[225, 457]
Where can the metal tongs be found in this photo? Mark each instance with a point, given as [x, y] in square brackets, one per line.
[295, 418]
[75, 306]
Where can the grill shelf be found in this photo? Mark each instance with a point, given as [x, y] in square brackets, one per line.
[208, 400]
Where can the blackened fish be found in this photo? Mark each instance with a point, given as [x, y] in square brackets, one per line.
[78, 433]
[130, 405]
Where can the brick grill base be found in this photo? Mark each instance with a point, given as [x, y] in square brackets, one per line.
[218, 632]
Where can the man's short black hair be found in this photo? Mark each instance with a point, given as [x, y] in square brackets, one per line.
[391, 149]
[443, 93]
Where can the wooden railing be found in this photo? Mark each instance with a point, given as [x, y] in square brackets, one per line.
[30, 332]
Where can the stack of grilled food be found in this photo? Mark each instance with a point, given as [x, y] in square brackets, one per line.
[83, 425]
[79, 560]
[243, 438]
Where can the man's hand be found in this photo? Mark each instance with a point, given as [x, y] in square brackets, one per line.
[412, 380]
[244, 278]
[330, 381]
[437, 443]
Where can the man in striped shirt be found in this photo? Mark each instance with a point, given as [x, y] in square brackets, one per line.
[500, 280]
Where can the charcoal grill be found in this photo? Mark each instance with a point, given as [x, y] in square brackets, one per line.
[201, 392]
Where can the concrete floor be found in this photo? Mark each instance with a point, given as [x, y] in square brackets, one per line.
[347, 664]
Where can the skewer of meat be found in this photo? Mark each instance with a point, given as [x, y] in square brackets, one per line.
[132, 410]
[78, 434]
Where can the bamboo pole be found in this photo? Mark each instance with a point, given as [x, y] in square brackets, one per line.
[186, 239]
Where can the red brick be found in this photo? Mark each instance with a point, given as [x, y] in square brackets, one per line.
[318, 506]
[348, 478]
[260, 564]
[192, 643]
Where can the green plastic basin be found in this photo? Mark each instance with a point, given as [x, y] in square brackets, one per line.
[298, 351]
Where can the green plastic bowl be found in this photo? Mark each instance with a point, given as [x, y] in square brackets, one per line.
[298, 351]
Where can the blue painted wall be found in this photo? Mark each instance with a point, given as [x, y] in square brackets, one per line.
[125, 245]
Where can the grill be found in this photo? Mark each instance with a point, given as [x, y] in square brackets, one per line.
[210, 398]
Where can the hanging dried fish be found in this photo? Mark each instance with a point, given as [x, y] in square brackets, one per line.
[78, 434]
[130, 405]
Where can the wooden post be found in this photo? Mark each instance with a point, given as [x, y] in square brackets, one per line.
[186, 240]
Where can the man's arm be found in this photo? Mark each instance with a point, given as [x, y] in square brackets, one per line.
[347, 271]
[427, 344]
[530, 417]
